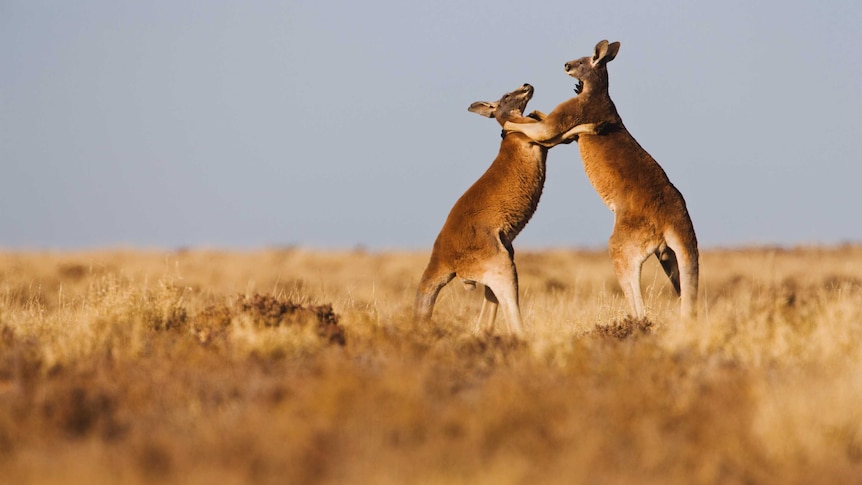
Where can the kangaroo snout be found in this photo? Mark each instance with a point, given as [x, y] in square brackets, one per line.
[574, 68]
[526, 89]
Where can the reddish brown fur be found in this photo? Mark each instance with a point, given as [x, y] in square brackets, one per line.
[475, 242]
[650, 214]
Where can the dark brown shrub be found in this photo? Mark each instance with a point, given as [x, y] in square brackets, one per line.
[269, 311]
[625, 328]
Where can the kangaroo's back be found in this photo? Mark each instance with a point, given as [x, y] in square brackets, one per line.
[499, 203]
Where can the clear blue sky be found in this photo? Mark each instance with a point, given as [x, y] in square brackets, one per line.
[173, 123]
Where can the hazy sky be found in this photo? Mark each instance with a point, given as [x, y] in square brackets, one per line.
[234, 124]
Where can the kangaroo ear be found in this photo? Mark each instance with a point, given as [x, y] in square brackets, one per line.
[613, 49]
[483, 108]
[605, 52]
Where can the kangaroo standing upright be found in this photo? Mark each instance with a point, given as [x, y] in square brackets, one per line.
[650, 215]
[475, 242]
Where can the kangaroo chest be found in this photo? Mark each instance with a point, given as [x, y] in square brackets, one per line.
[604, 166]
[517, 191]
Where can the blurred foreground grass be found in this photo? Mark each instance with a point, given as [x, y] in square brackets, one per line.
[296, 366]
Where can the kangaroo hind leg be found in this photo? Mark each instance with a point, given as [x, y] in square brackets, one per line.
[433, 280]
[628, 257]
[502, 279]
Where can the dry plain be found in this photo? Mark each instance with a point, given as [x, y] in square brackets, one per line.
[301, 366]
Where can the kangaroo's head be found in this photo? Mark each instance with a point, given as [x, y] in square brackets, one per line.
[592, 71]
[511, 105]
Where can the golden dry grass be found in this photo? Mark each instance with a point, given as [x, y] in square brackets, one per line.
[224, 367]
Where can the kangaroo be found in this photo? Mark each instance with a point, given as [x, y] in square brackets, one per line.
[475, 242]
[650, 215]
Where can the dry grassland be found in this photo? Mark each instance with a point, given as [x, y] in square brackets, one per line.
[201, 367]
